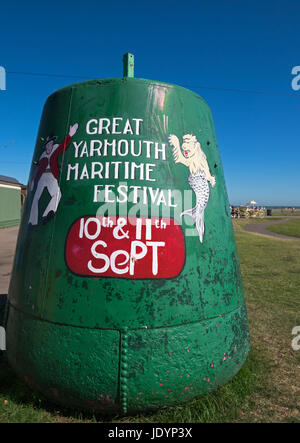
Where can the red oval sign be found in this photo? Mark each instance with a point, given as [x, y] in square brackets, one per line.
[125, 247]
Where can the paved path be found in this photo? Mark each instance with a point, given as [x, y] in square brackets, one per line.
[8, 239]
[260, 228]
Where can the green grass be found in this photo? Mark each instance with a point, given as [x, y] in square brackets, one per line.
[279, 212]
[291, 228]
[267, 388]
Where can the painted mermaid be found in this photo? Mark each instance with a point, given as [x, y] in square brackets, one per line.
[192, 156]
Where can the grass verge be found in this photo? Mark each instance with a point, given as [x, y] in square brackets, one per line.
[239, 224]
[284, 212]
[291, 228]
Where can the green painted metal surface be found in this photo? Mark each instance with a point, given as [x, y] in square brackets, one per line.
[126, 291]
[128, 65]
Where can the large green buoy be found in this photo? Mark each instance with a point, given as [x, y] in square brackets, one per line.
[126, 291]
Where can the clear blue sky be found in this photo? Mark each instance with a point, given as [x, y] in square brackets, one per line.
[247, 45]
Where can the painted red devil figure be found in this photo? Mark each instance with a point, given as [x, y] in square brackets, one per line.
[46, 176]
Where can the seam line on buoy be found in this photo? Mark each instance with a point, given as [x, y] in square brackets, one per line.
[202, 320]
[124, 369]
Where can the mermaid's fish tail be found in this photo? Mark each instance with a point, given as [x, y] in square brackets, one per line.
[200, 224]
[190, 212]
[197, 214]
